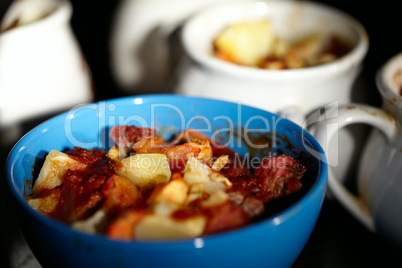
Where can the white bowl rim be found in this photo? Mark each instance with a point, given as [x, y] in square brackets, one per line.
[382, 77]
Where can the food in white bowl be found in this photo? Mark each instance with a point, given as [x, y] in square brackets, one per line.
[256, 44]
[307, 26]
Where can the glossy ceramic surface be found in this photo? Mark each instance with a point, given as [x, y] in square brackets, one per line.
[380, 178]
[287, 92]
[275, 241]
[378, 204]
[42, 69]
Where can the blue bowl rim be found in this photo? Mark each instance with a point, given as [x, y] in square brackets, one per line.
[289, 212]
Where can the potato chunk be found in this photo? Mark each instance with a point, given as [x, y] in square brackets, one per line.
[145, 169]
[94, 224]
[306, 50]
[114, 153]
[174, 191]
[51, 174]
[197, 172]
[215, 199]
[220, 162]
[156, 227]
[47, 203]
[246, 43]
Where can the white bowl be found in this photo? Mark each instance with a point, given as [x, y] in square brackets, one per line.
[293, 92]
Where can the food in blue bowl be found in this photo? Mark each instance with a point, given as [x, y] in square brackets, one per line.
[167, 180]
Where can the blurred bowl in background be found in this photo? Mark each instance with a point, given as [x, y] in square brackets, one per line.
[292, 92]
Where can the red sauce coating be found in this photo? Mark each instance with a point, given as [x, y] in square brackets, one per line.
[84, 191]
[81, 192]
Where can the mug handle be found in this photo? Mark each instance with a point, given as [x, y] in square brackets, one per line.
[347, 115]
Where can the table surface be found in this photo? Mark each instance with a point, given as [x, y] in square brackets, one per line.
[338, 240]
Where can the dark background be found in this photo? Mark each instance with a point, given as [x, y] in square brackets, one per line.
[338, 240]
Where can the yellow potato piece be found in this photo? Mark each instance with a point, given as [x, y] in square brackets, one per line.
[308, 49]
[174, 191]
[247, 43]
[220, 162]
[46, 204]
[94, 224]
[51, 174]
[145, 169]
[164, 208]
[114, 153]
[196, 191]
[197, 172]
[216, 198]
[156, 227]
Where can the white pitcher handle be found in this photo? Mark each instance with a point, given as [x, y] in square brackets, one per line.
[347, 115]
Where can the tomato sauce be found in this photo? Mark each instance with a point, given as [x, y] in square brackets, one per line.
[81, 194]
[85, 191]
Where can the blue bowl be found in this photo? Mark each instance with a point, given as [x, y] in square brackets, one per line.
[274, 241]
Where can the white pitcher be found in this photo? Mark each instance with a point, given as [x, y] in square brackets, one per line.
[42, 69]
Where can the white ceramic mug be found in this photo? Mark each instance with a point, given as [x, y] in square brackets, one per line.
[293, 92]
[378, 204]
[42, 69]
